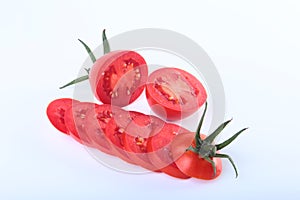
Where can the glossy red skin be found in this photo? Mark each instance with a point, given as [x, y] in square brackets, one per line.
[136, 138]
[159, 150]
[75, 118]
[116, 59]
[192, 165]
[166, 108]
[56, 113]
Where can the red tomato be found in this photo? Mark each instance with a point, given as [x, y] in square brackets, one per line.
[160, 152]
[56, 113]
[193, 165]
[75, 121]
[136, 138]
[118, 77]
[174, 93]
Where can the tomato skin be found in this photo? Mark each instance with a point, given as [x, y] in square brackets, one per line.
[169, 108]
[56, 113]
[75, 121]
[111, 77]
[192, 165]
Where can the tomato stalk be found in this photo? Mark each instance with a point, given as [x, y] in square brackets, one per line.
[207, 150]
[106, 49]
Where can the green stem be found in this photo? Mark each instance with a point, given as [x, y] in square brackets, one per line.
[227, 142]
[77, 80]
[106, 47]
[92, 56]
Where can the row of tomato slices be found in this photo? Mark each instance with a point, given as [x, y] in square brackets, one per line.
[136, 138]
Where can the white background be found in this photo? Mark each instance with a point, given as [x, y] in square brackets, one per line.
[254, 44]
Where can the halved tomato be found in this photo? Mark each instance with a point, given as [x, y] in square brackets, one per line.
[136, 139]
[174, 93]
[56, 112]
[160, 150]
[118, 77]
[75, 121]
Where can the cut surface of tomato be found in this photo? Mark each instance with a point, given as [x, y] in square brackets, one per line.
[174, 93]
[136, 139]
[75, 121]
[119, 77]
[56, 112]
[160, 150]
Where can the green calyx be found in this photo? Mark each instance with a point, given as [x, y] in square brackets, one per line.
[207, 150]
[106, 49]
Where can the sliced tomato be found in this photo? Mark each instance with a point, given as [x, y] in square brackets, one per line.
[56, 112]
[119, 77]
[160, 150]
[192, 165]
[136, 138]
[115, 131]
[174, 93]
[75, 121]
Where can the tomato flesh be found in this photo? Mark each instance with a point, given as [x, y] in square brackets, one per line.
[160, 152]
[119, 77]
[177, 92]
[75, 121]
[136, 139]
[56, 113]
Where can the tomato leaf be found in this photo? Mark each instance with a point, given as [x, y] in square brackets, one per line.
[92, 56]
[227, 142]
[208, 159]
[212, 136]
[77, 80]
[106, 47]
[218, 155]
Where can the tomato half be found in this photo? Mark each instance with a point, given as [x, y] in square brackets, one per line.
[174, 93]
[56, 112]
[75, 121]
[160, 150]
[136, 139]
[118, 77]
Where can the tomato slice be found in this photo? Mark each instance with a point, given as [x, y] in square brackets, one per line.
[136, 138]
[174, 93]
[119, 77]
[115, 131]
[160, 150]
[75, 121]
[56, 112]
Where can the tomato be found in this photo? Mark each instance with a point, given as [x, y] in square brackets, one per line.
[136, 138]
[75, 121]
[174, 93]
[118, 77]
[160, 152]
[56, 112]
